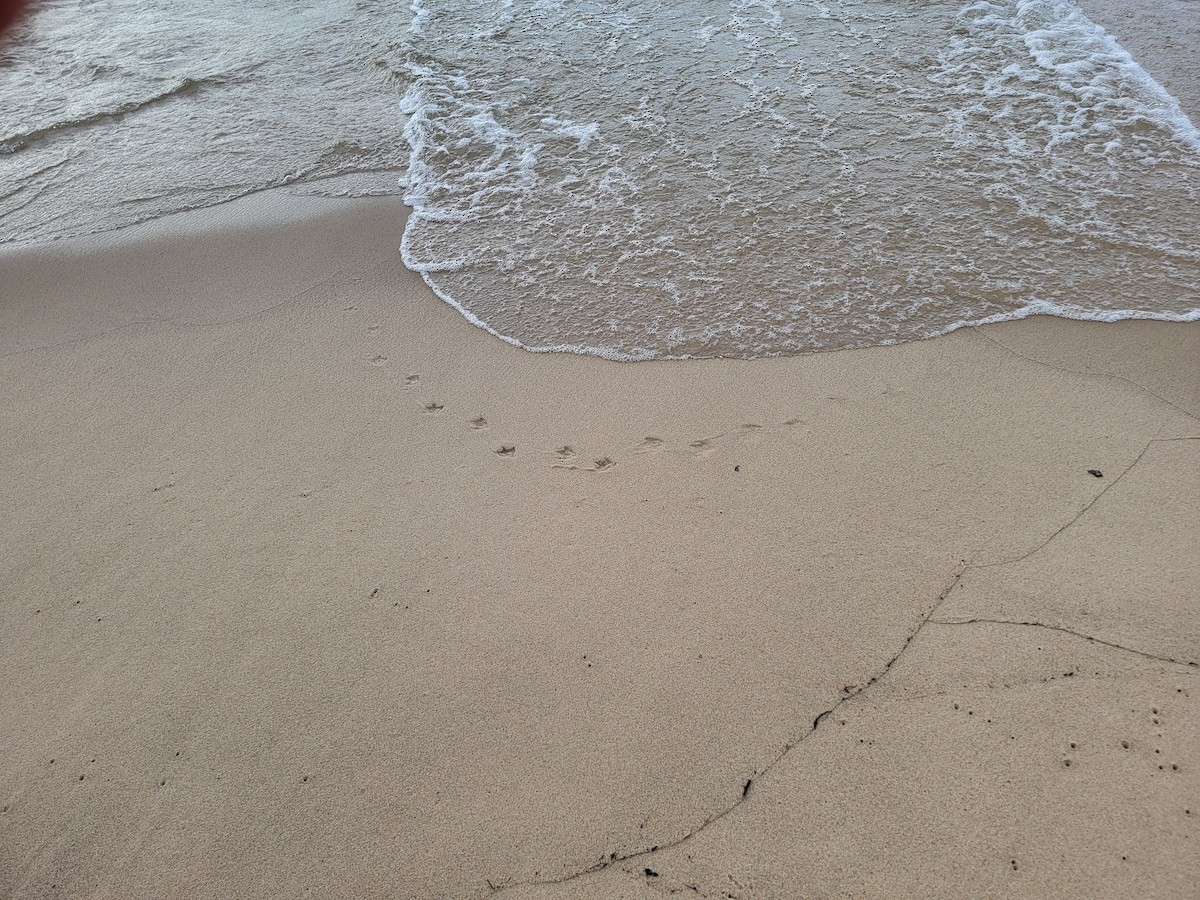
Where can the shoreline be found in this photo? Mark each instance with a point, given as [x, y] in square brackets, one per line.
[1160, 37]
[267, 210]
[314, 586]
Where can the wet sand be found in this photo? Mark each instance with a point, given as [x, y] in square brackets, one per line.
[311, 587]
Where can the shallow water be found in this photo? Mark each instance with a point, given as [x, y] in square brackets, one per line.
[742, 178]
[760, 177]
[112, 113]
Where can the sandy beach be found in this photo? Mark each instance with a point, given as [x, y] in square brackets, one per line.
[312, 588]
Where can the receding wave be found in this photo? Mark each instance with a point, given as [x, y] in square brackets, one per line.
[769, 177]
[113, 115]
[21, 141]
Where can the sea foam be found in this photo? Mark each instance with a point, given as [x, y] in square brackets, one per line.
[760, 178]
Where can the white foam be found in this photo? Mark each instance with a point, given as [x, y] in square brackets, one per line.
[419, 16]
[653, 222]
[1090, 70]
[584, 133]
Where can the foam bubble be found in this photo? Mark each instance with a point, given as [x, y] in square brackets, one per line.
[790, 177]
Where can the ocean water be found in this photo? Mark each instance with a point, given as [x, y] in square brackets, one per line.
[643, 180]
[114, 112]
[761, 177]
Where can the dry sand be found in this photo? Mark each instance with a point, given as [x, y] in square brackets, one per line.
[283, 615]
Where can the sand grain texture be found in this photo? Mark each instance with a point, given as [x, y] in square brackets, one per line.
[309, 586]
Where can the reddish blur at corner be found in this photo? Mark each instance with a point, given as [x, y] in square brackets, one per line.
[10, 12]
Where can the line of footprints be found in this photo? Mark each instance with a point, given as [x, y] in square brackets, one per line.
[567, 457]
